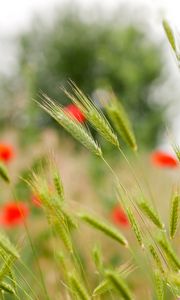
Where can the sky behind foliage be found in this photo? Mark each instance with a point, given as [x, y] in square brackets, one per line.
[14, 15]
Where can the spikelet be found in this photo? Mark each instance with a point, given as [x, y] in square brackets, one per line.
[4, 173]
[176, 149]
[102, 288]
[149, 212]
[105, 228]
[119, 285]
[13, 279]
[170, 254]
[93, 114]
[174, 215]
[156, 258]
[169, 34]
[78, 288]
[6, 287]
[173, 282]
[60, 258]
[97, 258]
[58, 185]
[6, 245]
[7, 265]
[69, 220]
[71, 125]
[135, 227]
[64, 235]
[159, 285]
[121, 122]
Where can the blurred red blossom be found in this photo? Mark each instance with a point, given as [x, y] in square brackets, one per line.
[74, 111]
[119, 217]
[13, 213]
[162, 159]
[6, 152]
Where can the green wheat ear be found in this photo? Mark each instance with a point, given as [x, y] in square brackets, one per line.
[71, 125]
[159, 285]
[173, 259]
[102, 288]
[78, 288]
[173, 282]
[107, 229]
[95, 116]
[97, 258]
[58, 185]
[4, 173]
[174, 215]
[135, 227]
[6, 287]
[7, 246]
[119, 285]
[149, 212]
[121, 122]
[176, 149]
[169, 34]
[156, 258]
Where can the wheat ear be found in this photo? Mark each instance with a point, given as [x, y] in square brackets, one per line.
[156, 258]
[95, 117]
[6, 245]
[78, 288]
[6, 287]
[121, 122]
[119, 285]
[169, 34]
[135, 227]
[105, 228]
[149, 212]
[159, 285]
[71, 125]
[174, 215]
[170, 254]
[4, 173]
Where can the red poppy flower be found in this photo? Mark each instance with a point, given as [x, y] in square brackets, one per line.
[13, 213]
[6, 152]
[74, 111]
[36, 200]
[162, 159]
[119, 217]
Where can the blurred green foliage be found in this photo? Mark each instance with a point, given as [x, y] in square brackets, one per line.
[95, 55]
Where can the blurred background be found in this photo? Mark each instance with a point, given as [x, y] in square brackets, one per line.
[100, 45]
[118, 44]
